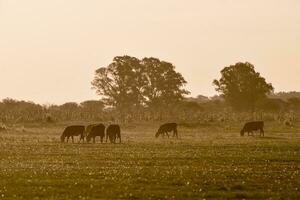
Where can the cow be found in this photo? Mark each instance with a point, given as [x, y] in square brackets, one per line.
[96, 130]
[166, 128]
[113, 132]
[88, 129]
[71, 131]
[253, 126]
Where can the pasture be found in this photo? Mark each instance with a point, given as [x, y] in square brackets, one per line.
[204, 163]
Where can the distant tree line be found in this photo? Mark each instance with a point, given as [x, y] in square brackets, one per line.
[149, 89]
[196, 109]
[14, 111]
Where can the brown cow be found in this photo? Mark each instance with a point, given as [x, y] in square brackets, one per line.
[72, 131]
[96, 130]
[113, 132]
[253, 126]
[166, 128]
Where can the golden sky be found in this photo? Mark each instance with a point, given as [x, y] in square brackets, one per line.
[49, 49]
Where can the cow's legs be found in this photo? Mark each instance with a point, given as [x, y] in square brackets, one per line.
[167, 134]
[94, 140]
[82, 138]
[175, 133]
[108, 137]
[72, 139]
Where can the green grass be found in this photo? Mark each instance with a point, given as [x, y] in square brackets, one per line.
[202, 164]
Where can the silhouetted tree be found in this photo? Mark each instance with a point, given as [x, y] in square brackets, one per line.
[92, 109]
[242, 87]
[69, 111]
[129, 84]
[164, 86]
[121, 83]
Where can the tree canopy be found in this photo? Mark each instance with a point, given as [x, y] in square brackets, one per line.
[242, 87]
[129, 83]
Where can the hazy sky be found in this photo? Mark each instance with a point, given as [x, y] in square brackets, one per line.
[49, 49]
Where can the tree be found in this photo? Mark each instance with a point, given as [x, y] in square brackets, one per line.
[164, 85]
[130, 84]
[69, 110]
[121, 83]
[14, 110]
[93, 109]
[92, 106]
[242, 87]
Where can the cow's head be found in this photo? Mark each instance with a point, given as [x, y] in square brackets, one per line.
[242, 132]
[62, 138]
[88, 138]
[157, 134]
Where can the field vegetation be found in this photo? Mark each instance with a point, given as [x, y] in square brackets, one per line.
[208, 161]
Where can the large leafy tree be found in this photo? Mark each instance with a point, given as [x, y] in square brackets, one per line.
[242, 87]
[121, 83]
[164, 85]
[132, 83]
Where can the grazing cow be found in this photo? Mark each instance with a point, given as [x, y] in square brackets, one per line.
[253, 126]
[88, 129]
[72, 131]
[96, 130]
[166, 128]
[113, 132]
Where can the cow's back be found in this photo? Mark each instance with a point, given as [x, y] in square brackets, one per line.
[89, 128]
[168, 127]
[113, 129]
[98, 130]
[252, 126]
[74, 130]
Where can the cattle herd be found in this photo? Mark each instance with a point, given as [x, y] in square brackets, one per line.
[113, 131]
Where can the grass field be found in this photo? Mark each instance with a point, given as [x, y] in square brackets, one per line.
[202, 164]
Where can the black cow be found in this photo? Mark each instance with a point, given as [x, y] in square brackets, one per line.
[113, 132]
[72, 131]
[96, 130]
[166, 128]
[253, 126]
[88, 129]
